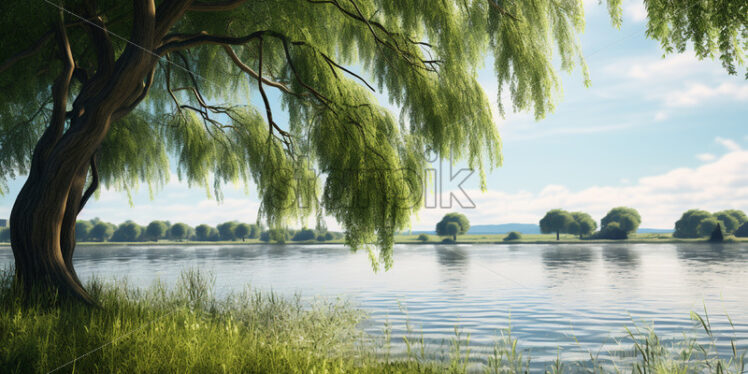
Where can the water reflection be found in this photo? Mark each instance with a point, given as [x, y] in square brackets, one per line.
[711, 252]
[622, 256]
[454, 263]
[561, 256]
[239, 253]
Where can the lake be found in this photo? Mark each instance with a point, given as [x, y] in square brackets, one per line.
[567, 300]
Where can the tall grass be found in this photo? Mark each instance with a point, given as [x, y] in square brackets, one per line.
[187, 329]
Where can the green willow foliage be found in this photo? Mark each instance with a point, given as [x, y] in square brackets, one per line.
[326, 60]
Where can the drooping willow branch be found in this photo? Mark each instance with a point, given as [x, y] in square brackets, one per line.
[94, 183]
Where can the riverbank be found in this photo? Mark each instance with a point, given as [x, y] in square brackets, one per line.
[433, 239]
[188, 329]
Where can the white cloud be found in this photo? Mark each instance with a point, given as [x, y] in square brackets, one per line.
[729, 144]
[660, 199]
[652, 69]
[696, 94]
[661, 116]
[635, 10]
[706, 157]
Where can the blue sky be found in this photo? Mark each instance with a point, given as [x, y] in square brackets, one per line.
[660, 135]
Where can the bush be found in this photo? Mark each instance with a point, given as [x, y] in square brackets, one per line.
[514, 235]
[742, 231]
[716, 236]
[320, 238]
[101, 232]
[82, 230]
[179, 231]
[226, 230]
[443, 228]
[304, 235]
[265, 236]
[242, 230]
[612, 231]
[628, 220]
[688, 224]
[448, 241]
[707, 226]
[156, 230]
[424, 238]
[329, 236]
[202, 232]
[276, 235]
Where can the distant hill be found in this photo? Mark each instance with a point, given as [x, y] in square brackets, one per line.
[523, 228]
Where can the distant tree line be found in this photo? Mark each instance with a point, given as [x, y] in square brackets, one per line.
[697, 223]
[96, 230]
[620, 222]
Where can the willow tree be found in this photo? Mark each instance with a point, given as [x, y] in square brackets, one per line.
[104, 91]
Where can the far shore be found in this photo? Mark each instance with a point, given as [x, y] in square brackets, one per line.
[433, 239]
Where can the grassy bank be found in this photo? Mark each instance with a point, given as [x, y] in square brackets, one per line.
[187, 329]
[184, 330]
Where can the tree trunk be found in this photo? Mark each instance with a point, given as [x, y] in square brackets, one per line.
[557, 235]
[43, 229]
[44, 214]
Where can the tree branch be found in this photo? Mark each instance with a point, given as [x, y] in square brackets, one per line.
[34, 49]
[253, 74]
[175, 42]
[331, 62]
[62, 85]
[146, 86]
[94, 183]
[501, 10]
[217, 6]
[409, 56]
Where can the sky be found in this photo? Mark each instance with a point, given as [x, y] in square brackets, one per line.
[659, 134]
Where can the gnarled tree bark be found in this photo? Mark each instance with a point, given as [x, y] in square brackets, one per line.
[45, 211]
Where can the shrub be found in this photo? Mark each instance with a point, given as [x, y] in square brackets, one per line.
[304, 235]
[514, 235]
[82, 231]
[179, 231]
[742, 231]
[202, 232]
[628, 220]
[226, 230]
[443, 228]
[716, 235]
[156, 230]
[612, 231]
[424, 238]
[242, 230]
[265, 236]
[707, 226]
[688, 224]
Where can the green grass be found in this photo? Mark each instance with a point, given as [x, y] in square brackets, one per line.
[186, 329]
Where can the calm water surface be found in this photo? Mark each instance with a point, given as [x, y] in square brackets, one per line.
[566, 300]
